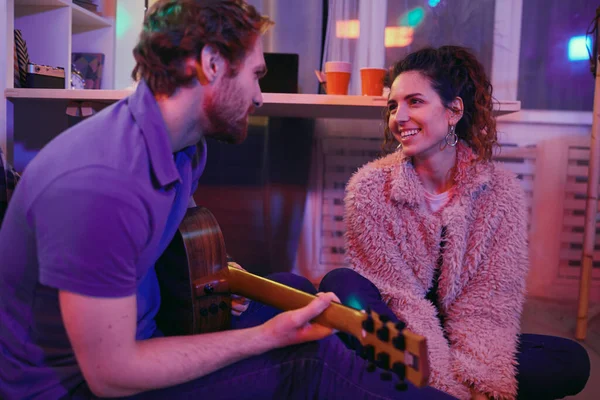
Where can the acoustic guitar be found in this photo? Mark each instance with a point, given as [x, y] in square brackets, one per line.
[196, 285]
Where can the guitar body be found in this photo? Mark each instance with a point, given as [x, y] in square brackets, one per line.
[196, 251]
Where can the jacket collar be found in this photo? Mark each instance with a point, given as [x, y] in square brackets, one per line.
[471, 176]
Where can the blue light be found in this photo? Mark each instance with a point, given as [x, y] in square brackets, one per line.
[433, 3]
[578, 48]
[354, 302]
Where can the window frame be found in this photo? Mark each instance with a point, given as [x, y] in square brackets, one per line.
[505, 65]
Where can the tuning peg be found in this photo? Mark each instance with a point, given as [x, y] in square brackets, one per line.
[400, 325]
[386, 376]
[383, 333]
[368, 324]
[384, 318]
[399, 342]
[371, 367]
[400, 370]
[208, 288]
[368, 352]
[383, 360]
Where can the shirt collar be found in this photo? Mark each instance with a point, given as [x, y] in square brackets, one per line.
[147, 115]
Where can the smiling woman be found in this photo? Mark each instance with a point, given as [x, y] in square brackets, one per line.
[441, 231]
[447, 88]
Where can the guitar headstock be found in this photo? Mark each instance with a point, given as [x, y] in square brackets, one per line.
[392, 347]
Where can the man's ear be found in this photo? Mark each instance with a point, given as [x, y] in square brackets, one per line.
[456, 110]
[211, 65]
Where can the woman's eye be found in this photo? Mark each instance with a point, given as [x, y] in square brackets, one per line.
[416, 101]
[391, 107]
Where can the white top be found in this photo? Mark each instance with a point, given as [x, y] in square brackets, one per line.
[437, 201]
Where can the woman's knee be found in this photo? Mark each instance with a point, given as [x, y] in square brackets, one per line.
[580, 364]
[343, 281]
[293, 280]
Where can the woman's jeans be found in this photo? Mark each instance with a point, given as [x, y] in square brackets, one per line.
[549, 367]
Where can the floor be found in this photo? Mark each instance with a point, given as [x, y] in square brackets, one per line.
[551, 317]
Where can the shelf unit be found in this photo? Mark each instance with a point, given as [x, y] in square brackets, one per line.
[52, 30]
[275, 104]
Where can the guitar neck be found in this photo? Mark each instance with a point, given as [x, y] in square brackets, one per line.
[336, 316]
[411, 351]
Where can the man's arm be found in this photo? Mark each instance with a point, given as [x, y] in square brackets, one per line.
[89, 235]
[102, 333]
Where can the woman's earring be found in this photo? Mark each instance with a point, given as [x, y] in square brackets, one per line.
[399, 147]
[451, 137]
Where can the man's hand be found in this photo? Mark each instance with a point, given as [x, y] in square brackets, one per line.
[239, 304]
[294, 326]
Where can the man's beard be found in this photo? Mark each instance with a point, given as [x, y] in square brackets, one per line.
[223, 111]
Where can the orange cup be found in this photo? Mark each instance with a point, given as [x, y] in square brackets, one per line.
[371, 80]
[337, 75]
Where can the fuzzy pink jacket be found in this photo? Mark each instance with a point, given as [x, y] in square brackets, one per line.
[394, 240]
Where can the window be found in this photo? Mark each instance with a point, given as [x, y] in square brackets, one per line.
[436, 23]
[554, 70]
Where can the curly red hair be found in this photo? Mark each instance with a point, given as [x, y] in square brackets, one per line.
[454, 72]
[175, 30]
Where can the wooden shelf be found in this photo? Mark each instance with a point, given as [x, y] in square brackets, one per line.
[42, 3]
[84, 20]
[275, 104]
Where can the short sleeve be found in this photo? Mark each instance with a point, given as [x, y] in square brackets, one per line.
[90, 230]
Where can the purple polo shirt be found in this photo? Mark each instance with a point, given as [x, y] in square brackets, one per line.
[91, 215]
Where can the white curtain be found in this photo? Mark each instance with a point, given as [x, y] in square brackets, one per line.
[365, 51]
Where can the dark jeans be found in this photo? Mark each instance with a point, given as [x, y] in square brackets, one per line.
[326, 369]
[550, 367]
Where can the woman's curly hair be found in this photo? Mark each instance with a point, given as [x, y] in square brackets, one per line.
[175, 30]
[454, 72]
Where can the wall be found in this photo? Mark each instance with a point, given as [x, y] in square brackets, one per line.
[130, 16]
[297, 30]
